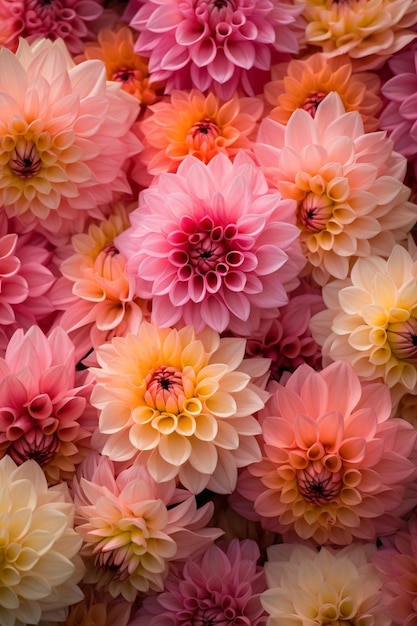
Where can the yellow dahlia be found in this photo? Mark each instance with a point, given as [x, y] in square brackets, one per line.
[369, 31]
[184, 402]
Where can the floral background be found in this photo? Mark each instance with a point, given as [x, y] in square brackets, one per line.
[208, 312]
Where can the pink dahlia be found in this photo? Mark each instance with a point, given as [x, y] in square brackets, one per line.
[12, 22]
[396, 560]
[133, 527]
[399, 117]
[25, 280]
[222, 586]
[183, 403]
[65, 137]
[44, 414]
[335, 467]
[347, 185]
[69, 20]
[211, 244]
[217, 45]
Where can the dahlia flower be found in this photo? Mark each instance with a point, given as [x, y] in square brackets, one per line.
[369, 31]
[133, 527]
[399, 116]
[97, 609]
[191, 123]
[44, 414]
[221, 46]
[371, 320]
[210, 244]
[304, 83]
[40, 566]
[116, 49]
[25, 279]
[397, 563]
[69, 20]
[347, 183]
[11, 20]
[222, 586]
[65, 136]
[102, 295]
[336, 467]
[184, 401]
[327, 587]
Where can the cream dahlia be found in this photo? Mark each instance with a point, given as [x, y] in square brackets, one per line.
[133, 527]
[331, 588]
[64, 135]
[371, 321]
[212, 246]
[347, 183]
[181, 400]
[40, 566]
[336, 467]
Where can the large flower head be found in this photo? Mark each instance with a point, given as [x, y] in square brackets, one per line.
[304, 83]
[133, 527]
[40, 566]
[371, 320]
[397, 563]
[210, 244]
[102, 297]
[335, 588]
[44, 414]
[399, 116]
[219, 45]
[347, 183]
[369, 31]
[336, 466]
[222, 586]
[192, 123]
[65, 136]
[116, 49]
[184, 401]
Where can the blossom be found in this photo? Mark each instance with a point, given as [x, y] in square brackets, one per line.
[347, 183]
[102, 297]
[69, 20]
[215, 45]
[184, 401]
[191, 123]
[133, 527]
[62, 152]
[399, 115]
[397, 563]
[304, 83]
[11, 20]
[369, 31]
[25, 279]
[222, 586]
[98, 608]
[210, 244]
[40, 566]
[336, 466]
[44, 413]
[371, 320]
[326, 587]
[116, 49]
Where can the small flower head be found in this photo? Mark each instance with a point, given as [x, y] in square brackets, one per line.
[210, 245]
[335, 466]
[131, 528]
[181, 400]
[40, 566]
[335, 588]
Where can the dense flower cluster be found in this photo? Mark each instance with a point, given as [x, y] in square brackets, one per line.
[208, 312]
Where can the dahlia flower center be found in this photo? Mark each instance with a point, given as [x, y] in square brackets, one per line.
[315, 211]
[109, 264]
[164, 390]
[317, 484]
[402, 338]
[312, 102]
[204, 133]
[25, 160]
